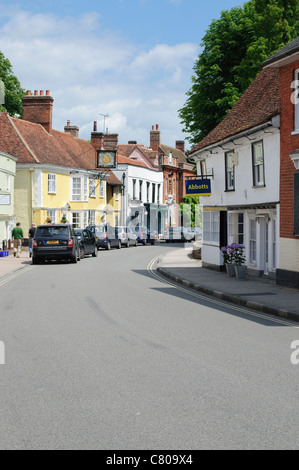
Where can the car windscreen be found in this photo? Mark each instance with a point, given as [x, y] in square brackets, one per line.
[52, 232]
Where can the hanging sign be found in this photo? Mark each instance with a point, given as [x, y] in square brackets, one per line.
[198, 187]
[106, 159]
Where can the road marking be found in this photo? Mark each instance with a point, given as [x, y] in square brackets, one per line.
[161, 278]
[16, 274]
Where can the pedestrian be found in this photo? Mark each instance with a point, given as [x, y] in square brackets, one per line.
[31, 236]
[17, 237]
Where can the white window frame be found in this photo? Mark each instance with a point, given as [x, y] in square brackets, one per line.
[117, 193]
[252, 242]
[229, 171]
[52, 183]
[211, 226]
[92, 188]
[91, 217]
[258, 164]
[235, 228]
[101, 189]
[52, 213]
[76, 219]
[80, 192]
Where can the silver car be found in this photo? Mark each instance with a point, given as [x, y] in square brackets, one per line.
[126, 236]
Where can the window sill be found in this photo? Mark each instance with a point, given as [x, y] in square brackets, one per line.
[295, 132]
[258, 186]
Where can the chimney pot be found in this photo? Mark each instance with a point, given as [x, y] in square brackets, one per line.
[28, 92]
[35, 92]
[153, 128]
[157, 127]
[41, 93]
[95, 126]
[47, 92]
[68, 123]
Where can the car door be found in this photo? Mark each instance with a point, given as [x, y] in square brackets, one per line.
[87, 241]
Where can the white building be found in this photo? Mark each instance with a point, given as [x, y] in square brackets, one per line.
[242, 158]
[142, 191]
[7, 179]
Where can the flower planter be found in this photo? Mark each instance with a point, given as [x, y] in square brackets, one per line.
[230, 270]
[241, 271]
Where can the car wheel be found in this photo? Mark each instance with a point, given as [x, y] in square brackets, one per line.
[35, 260]
[108, 248]
[95, 253]
[128, 244]
[82, 253]
[74, 259]
[136, 243]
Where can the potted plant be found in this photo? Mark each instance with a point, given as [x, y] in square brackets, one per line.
[239, 260]
[228, 258]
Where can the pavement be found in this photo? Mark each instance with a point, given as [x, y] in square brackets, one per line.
[10, 264]
[256, 293]
[179, 265]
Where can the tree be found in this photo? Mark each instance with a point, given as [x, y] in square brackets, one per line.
[234, 46]
[12, 87]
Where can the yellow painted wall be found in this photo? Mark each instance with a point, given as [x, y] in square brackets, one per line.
[32, 199]
[23, 207]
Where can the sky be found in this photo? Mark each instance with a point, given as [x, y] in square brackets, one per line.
[128, 60]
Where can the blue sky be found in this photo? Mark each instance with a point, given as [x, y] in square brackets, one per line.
[130, 59]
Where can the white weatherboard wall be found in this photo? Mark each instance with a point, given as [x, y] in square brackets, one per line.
[246, 198]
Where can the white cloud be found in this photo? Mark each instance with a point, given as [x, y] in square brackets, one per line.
[90, 71]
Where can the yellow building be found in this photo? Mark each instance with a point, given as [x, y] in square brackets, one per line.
[56, 175]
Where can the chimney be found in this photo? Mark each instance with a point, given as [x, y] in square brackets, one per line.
[38, 108]
[74, 130]
[180, 145]
[155, 138]
[110, 141]
[97, 138]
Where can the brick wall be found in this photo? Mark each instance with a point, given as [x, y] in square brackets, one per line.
[288, 144]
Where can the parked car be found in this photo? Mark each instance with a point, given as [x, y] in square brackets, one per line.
[55, 242]
[87, 242]
[144, 235]
[176, 234]
[126, 236]
[106, 236]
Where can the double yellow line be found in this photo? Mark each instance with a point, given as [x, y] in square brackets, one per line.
[17, 273]
[152, 270]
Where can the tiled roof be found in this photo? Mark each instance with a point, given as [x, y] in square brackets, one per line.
[30, 143]
[113, 180]
[130, 161]
[258, 104]
[176, 153]
[287, 50]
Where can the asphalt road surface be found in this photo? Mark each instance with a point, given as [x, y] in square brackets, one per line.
[104, 354]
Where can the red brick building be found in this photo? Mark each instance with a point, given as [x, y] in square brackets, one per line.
[287, 61]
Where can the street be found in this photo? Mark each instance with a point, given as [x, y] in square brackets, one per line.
[106, 354]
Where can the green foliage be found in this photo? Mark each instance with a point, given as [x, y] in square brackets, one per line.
[190, 209]
[233, 48]
[13, 90]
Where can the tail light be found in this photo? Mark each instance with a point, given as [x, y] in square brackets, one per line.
[141, 235]
[34, 244]
[105, 235]
[124, 235]
[70, 242]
